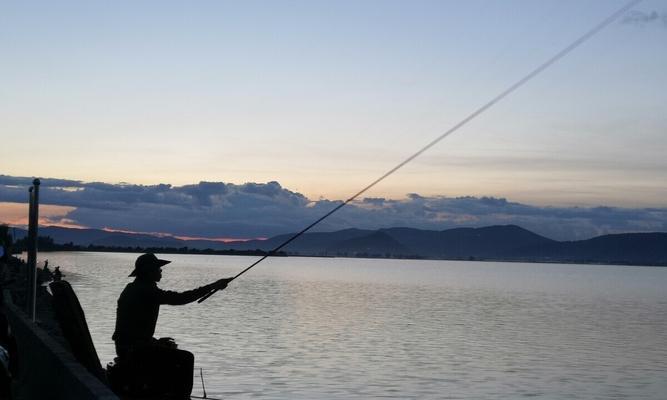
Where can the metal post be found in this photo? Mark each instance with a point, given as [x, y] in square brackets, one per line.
[32, 248]
[28, 281]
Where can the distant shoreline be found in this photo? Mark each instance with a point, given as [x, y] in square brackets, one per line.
[498, 243]
[162, 250]
[261, 253]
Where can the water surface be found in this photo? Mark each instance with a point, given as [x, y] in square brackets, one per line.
[305, 328]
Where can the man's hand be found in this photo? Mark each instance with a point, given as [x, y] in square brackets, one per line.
[221, 284]
[167, 342]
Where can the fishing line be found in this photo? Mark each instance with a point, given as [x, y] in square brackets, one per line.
[597, 28]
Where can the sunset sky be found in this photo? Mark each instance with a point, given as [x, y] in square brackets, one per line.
[324, 96]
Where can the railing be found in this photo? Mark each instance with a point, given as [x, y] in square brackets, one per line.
[33, 217]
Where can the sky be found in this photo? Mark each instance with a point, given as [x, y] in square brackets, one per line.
[228, 211]
[323, 97]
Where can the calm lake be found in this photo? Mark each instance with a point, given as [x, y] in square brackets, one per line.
[333, 328]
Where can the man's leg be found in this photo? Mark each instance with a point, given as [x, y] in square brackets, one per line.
[168, 370]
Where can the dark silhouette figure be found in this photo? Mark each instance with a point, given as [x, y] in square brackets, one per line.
[57, 275]
[45, 275]
[153, 363]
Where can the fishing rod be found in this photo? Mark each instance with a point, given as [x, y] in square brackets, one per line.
[540, 68]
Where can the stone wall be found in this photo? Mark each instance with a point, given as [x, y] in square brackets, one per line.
[46, 369]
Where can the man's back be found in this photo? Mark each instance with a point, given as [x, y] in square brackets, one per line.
[137, 313]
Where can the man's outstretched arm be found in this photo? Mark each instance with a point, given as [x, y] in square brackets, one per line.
[178, 298]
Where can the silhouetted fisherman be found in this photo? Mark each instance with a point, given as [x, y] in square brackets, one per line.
[157, 360]
[57, 275]
[45, 275]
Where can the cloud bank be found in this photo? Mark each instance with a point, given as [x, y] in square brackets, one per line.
[251, 210]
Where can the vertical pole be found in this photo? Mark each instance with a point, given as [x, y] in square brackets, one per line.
[33, 217]
[28, 282]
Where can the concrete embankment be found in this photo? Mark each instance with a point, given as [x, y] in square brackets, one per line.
[47, 370]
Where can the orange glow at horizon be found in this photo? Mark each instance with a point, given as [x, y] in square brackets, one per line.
[162, 234]
[224, 240]
[16, 214]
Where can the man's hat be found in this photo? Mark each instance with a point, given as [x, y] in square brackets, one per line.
[147, 262]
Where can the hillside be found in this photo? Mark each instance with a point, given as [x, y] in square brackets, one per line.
[500, 242]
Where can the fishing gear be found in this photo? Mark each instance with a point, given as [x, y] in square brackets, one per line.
[597, 28]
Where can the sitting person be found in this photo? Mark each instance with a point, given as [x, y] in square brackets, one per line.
[45, 275]
[158, 360]
[57, 275]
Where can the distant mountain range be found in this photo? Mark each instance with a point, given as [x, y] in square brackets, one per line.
[500, 242]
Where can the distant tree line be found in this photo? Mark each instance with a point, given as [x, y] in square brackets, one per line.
[46, 243]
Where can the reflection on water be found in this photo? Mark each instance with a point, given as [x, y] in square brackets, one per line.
[304, 328]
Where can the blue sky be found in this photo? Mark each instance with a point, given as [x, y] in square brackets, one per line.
[323, 97]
